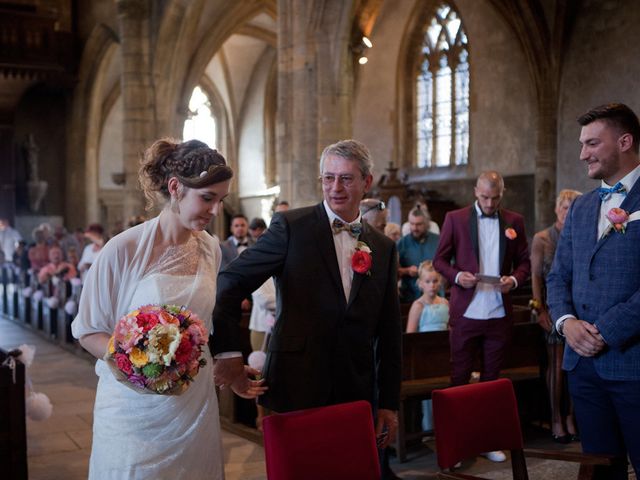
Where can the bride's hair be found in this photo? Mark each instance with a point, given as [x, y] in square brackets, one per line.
[192, 162]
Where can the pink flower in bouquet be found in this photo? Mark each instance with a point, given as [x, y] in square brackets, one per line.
[194, 366]
[167, 319]
[147, 321]
[197, 332]
[124, 363]
[618, 218]
[128, 333]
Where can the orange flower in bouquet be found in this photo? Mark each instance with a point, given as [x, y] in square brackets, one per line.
[157, 349]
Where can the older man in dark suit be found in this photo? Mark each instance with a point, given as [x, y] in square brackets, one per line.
[337, 334]
[594, 288]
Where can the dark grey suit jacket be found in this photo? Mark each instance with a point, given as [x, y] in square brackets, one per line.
[324, 349]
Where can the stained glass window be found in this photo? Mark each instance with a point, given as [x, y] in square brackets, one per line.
[442, 93]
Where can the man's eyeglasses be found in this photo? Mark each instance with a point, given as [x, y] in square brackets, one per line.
[328, 179]
[378, 206]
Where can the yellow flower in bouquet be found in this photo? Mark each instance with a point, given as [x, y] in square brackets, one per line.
[138, 357]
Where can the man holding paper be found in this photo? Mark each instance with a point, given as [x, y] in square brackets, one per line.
[483, 253]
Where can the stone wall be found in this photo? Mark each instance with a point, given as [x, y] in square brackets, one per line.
[601, 66]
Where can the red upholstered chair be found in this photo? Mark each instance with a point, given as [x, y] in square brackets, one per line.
[335, 442]
[483, 417]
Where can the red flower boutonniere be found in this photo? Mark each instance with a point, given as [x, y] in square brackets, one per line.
[618, 218]
[361, 259]
[510, 233]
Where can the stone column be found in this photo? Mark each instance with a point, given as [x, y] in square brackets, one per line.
[545, 167]
[139, 124]
[315, 90]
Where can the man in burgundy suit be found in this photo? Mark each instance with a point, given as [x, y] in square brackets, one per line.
[488, 240]
[483, 253]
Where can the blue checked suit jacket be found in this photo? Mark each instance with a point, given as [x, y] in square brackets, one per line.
[598, 280]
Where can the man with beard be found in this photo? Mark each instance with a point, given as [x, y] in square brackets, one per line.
[594, 289]
[416, 247]
[483, 253]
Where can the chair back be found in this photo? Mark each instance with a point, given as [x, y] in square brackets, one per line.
[476, 418]
[336, 442]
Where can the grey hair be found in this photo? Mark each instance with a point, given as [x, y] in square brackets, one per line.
[349, 150]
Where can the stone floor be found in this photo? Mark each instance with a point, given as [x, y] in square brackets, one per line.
[59, 448]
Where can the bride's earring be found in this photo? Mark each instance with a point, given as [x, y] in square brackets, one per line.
[175, 208]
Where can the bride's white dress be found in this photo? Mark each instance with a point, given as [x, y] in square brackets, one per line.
[148, 436]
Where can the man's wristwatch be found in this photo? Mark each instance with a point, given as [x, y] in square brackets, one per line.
[560, 326]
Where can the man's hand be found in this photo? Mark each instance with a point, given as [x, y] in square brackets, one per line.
[506, 284]
[583, 337]
[244, 387]
[387, 421]
[467, 280]
[544, 320]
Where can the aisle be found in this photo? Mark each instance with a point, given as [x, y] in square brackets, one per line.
[59, 447]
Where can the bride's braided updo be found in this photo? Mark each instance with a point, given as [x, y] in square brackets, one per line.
[192, 162]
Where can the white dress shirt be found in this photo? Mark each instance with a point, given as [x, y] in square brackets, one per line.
[614, 201]
[487, 298]
[345, 245]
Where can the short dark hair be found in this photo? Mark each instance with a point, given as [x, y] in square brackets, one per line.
[257, 223]
[239, 215]
[618, 116]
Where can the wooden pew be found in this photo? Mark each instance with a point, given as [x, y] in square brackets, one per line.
[426, 367]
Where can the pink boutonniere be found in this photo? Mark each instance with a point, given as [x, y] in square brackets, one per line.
[361, 259]
[618, 218]
[510, 233]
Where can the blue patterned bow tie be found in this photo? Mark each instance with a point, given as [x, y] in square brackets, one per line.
[354, 229]
[605, 193]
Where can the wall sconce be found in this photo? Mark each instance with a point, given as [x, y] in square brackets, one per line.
[360, 49]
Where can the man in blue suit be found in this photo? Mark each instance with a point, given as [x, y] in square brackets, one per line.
[594, 288]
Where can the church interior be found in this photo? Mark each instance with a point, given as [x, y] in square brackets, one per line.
[438, 90]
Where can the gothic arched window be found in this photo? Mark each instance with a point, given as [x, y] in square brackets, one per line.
[200, 123]
[442, 93]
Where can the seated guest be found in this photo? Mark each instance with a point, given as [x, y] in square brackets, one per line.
[39, 252]
[374, 212]
[415, 248]
[429, 313]
[392, 230]
[95, 234]
[56, 267]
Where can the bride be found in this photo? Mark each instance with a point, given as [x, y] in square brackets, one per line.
[167, 260]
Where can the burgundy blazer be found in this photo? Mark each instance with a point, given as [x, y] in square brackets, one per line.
[458, 252]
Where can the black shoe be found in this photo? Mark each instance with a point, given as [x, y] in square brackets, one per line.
[575, 437]
[563, 439]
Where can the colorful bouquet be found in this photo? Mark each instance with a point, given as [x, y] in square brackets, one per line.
[157, 349]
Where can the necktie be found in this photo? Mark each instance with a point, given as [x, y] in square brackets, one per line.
[354, 229]
[605, 193]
